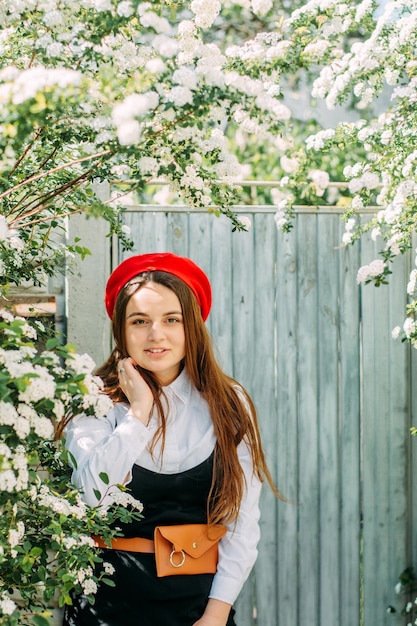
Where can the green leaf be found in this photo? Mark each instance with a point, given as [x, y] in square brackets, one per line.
[73, 459]
[39, 620]
[108, 582]
[52, 343]
[64, 599]
[42, 573]
[104, 477]
[97, 494]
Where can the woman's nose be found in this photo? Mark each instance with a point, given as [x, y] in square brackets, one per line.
[156, 331]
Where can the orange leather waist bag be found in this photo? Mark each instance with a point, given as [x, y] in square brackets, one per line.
[187, 548]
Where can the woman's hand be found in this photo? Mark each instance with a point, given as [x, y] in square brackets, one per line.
[136, 390]
[216, 614]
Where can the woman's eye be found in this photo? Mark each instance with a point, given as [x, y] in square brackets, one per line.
[140, 322]
[172, 320]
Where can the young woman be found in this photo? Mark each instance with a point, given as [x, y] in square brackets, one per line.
[182, 436]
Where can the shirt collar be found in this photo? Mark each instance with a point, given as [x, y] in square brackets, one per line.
[180, 387]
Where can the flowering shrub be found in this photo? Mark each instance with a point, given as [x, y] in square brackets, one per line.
[114, 90]
[406, 588]
[363, 54]
[131, 92]
[46, 549]
[135, 91]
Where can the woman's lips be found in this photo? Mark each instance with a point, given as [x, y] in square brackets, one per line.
[156, 352]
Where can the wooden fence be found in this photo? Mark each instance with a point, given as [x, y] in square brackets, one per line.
[335, 402]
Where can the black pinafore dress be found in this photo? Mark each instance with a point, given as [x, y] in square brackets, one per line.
[140, 598]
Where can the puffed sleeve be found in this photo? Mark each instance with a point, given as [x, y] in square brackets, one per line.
[238, 548]
[108, 445]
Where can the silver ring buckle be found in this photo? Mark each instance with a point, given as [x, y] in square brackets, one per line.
[182, 558]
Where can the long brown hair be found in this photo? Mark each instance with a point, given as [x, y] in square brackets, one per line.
[231, 408]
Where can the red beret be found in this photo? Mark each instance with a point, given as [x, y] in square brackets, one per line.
[183, 268]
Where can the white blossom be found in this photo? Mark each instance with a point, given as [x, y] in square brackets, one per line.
[205, 12]
[108, 568]
[395, 334]
[124, 499]
[320, 181]
[5, 450]
[68, 542]
[289, 165]
[317, 141]
[245, 221]
[125, 8]
[261, 7]
[409, 326]
[4, 228]
[179, 95]
[280, 219]
[81, 363]
[21, 427]
[52, 18]
[148, 165]
[7, 606]
[7, 480]
[8, 413]
[412, 282]
[149, 19]
[43, 427]
[89, 586]
[16, 535]
[166, 46]
[135, 105]
[29, 82]
[129, 133]
[186, 77]
[375, 268]
[42, 386]
[375, 233]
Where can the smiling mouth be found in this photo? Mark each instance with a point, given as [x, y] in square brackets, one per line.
[156, 350]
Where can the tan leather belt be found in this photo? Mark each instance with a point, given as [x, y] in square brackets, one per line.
[135, 544]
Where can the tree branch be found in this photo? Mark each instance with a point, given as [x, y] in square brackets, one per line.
[31, 179]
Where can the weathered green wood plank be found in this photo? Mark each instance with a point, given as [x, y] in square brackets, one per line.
[177, 233]
[263, 389]
[412, 518]
[308, 489]
[243, 303]
[399, 555]
[199, 241]
[220, 321]
[147, 230]
[412, 521]
[375, 447]
[287, 442]
[244, 606]
[350, 438]
[243, 311]
[87, 322]
[383, 460]
[328, 435]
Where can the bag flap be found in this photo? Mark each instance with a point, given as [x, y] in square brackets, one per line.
[194, 539]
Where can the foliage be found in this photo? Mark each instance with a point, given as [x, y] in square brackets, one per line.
[46, 549]
[406, 588]
[376, 67]
[196, 95]
[106, 90]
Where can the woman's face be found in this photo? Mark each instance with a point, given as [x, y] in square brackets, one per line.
[154, 331]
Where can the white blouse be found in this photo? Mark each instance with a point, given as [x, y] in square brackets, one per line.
[113, 444]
